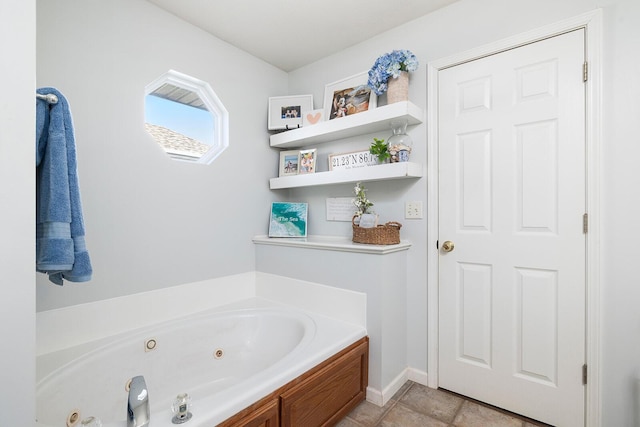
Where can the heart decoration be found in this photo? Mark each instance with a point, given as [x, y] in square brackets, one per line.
[313, 119]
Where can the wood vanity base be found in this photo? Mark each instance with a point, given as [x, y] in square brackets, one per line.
[320, 397]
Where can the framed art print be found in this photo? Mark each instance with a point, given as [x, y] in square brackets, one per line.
[288, 219]
[348, 96]
[286, 112]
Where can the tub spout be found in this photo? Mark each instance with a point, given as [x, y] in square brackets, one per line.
[138, 413]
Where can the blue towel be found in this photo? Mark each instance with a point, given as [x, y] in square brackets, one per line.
[60, 247]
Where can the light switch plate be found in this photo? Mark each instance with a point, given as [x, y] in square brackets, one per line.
[413, 210]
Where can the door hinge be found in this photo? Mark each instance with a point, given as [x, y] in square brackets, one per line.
[585, 71]
[584, 374]
[585, 223]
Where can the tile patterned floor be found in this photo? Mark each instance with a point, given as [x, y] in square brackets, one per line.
[415, 405]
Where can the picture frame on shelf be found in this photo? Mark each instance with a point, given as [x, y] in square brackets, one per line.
[313, 117]
[286, 112]
[288, 219]
[289, 163]
[352, 160]
[307, 161]
[340, 209]
[348, 96]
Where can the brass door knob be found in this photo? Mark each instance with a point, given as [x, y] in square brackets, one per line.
[448, 246]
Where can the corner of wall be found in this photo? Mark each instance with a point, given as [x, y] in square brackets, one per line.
[346, 305]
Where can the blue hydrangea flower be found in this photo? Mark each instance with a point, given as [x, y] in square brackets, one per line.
[390, 65]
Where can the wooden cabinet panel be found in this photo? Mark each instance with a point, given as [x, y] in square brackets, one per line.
[267, 415]
[326, 396]
[320, 397]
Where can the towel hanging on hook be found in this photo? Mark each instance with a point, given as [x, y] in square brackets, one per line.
[60, 245]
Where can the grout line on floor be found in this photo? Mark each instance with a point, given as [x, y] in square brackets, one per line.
[497, 409]
[453, 420]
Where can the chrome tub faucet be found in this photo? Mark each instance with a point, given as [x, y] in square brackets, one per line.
[138, 413]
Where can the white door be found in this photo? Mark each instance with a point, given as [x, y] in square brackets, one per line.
[512, 189]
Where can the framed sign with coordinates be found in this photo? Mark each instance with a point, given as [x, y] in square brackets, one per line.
[353, 160]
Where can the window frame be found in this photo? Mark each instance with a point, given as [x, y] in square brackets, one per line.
[213, 104]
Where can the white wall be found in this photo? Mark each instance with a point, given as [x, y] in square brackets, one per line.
[471, 23]
[152, 222]
[620, 213]
[17, 212]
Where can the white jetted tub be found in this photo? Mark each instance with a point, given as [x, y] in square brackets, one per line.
[225, 359]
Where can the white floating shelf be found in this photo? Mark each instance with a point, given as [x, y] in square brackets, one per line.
[371, 121]
[332, 243]
[382, 172]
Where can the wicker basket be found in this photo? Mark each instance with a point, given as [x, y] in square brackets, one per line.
[387, 234]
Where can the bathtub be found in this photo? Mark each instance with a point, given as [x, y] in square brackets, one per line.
[225, 358]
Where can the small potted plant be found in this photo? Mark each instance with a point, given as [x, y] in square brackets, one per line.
[363, 217]
[380, 149]
[361, 202]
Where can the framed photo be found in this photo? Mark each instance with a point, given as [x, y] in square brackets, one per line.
[286, 112]
[312, 117]
[289, 162]
[288, 219]
[307, 161]
[348, 96]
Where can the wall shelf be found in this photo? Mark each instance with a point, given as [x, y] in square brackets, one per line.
[377, 119]
[332, 243]
[382, 172]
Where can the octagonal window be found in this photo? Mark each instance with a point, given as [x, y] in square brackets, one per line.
[185, 118]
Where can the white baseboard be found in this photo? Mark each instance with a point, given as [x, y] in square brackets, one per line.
[381, 398]
[374, 396]
[417, 376]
